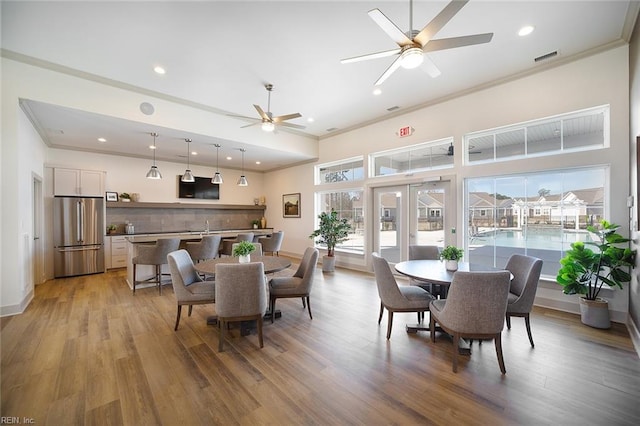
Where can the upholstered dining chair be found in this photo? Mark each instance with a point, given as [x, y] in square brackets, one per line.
[188, 287]
[241, 295]
[155, 255]
[257, 251]
[425, 252]
[397, 298]
[272, 244]
[475, 308]
[206, 248]
[522, 292]
[228, 243]
[298, 285]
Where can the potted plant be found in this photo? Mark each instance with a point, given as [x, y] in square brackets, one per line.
[255, 223]
[452, 255]
[111, 229]
[584, 271]
[243, 250]
[125, 197]
[332, 231]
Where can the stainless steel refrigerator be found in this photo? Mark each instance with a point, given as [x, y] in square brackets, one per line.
[78, 236]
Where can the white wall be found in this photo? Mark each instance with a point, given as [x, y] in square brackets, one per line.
[592, 81]
[634, 91]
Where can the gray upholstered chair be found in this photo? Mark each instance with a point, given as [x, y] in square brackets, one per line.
[241, 295]
[522, 292]
[272, 243]
[228, 243]
[257, 251]
[188, 287]
[155, 255]
[206, 248]
[397, 298]
[425, 252]
[298, 285]
[475, 308]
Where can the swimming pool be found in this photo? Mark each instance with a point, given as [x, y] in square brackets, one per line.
[532, 238]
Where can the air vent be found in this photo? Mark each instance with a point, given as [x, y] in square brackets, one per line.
[332, 129]
[393, 108]
[546, 56]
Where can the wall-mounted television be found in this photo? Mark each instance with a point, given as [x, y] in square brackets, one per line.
[202, 188]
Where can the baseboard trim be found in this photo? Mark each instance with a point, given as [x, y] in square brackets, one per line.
[10, 310]
[574, 308]
[634, 333]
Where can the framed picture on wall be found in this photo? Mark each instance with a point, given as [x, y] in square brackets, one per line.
[112, 196]
[291, 205]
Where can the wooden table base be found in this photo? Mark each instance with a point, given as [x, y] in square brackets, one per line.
[464, 348]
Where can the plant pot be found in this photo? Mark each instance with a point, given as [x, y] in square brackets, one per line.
[255, 226]
[451, 265]
[595, 313]
[328, 263]
[244, 259]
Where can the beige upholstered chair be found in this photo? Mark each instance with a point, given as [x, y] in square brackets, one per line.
[475, 308]
[522, 292]
[207, 248]
[423, 252]
[188, 287]
[298, 285]
[155, 255]
[241, 295]
[257, 251]
[272, 243]
[228, 244]
[397, 298]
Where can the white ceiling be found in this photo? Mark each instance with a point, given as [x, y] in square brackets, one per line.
[218, 55]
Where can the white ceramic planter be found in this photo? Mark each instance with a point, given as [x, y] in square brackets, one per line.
[244, 259]
[595, 313]
[451, 265]
[328, 263]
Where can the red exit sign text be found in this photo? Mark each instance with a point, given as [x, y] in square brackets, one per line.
[405, 131]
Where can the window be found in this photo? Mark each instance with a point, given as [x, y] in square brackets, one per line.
[343, 171]
[537, 214]
[580, 130]
[426, 156]
[348, 204]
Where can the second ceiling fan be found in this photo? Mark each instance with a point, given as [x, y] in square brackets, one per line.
[268, 121]
[413, 44]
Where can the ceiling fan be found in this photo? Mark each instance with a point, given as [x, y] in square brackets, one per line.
[267, 119]
[413, 44]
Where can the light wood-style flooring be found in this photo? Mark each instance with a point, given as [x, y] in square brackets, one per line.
[87, 351]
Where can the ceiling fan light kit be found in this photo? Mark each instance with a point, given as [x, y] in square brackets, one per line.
[413, 45]
[154, 172]
[267, 120]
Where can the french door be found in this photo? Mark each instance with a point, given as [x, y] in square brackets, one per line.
[410, 214]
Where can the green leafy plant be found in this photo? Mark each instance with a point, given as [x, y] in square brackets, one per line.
[125, 196]
[255, 222]
[451, 253]
[243, 248]
[332, 231]
[111, 228]
[585, 271]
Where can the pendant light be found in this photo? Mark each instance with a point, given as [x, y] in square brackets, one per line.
[243, 180]
[154, 173]
[188, 176]
[217, 178]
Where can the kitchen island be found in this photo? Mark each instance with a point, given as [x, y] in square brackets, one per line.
[147, 271]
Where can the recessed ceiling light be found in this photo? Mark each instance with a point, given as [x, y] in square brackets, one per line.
[102, 140]
[526, 30]
[310, 120]
[229, 158]
[194, 153]
[159, 70]
[377, 91]
[152, 147]
[257, 162]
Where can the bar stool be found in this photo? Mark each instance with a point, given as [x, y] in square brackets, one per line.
[227, 245]
[155, 255]
[272, 244]
[207, 248]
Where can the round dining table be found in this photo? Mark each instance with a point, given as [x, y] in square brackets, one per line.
[434, 272]
[271, 264]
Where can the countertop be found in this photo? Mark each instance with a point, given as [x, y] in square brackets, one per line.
[150, 237]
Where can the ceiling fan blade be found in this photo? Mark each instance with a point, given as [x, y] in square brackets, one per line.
[377, 55]
[394, 66]
[436, 24]
[262, 113]
[249, 125]
[291, 125]
[453, 42]
[244, 117]
[282, 118]
[389, 27]
[429, 67]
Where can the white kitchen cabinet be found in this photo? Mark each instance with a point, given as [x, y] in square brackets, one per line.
[118, 245]
[78, 182]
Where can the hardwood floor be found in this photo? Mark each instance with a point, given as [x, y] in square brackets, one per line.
[87, 351]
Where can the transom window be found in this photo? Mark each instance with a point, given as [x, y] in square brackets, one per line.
[425, 156]
[580, 130]
[343, 171]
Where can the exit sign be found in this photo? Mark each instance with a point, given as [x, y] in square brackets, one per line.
[405, 131]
